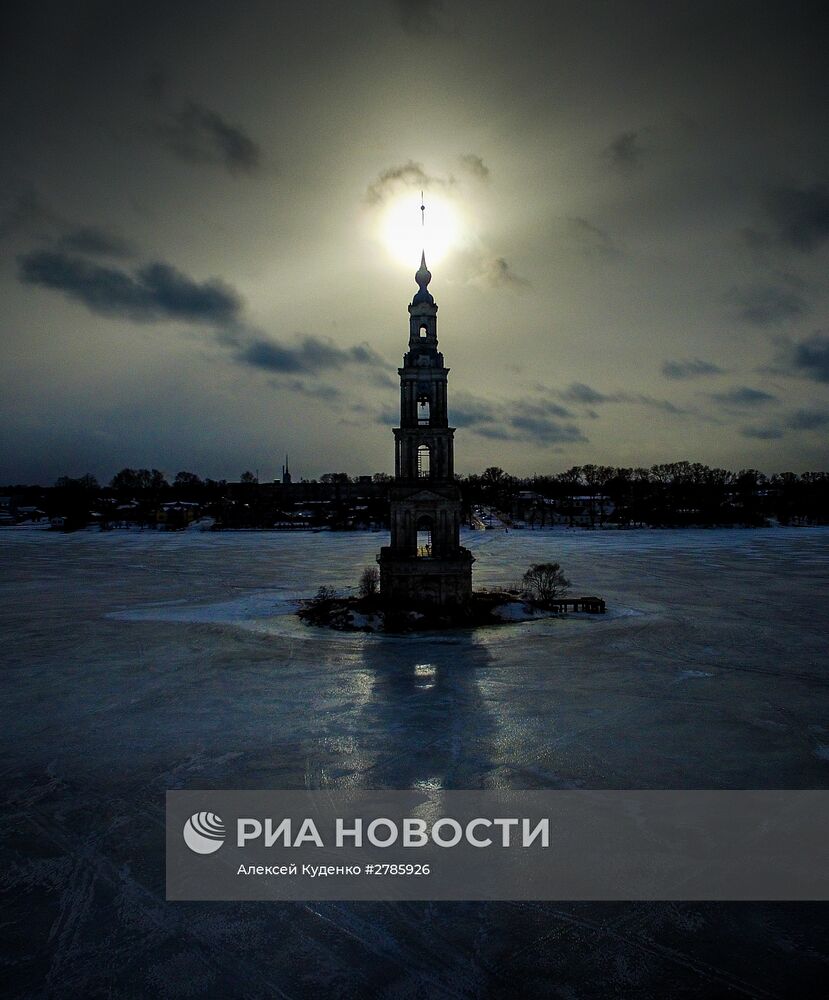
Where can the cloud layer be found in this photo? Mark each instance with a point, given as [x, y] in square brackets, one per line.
[643, 232]
[537, 420]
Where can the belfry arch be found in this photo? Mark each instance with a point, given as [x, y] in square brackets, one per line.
[424, 537]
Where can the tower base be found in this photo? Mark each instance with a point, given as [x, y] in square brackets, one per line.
[407, 581]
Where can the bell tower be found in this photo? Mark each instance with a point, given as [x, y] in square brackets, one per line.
[424, 562]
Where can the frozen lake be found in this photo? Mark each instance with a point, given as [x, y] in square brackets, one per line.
[139, 662]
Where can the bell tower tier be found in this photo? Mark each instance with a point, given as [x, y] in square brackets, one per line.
[424, 562]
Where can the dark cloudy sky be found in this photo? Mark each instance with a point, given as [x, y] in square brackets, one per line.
[193, 276]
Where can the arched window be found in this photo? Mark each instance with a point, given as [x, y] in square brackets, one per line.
[424, 458]
[423, 411]
[423, 331]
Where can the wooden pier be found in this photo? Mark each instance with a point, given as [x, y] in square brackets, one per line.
[589, 605]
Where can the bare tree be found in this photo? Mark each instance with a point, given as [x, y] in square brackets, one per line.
[324, 596]
[546, 582]
[369, 581]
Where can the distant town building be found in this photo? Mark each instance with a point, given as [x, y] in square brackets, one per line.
[424, 562]
[286, 473]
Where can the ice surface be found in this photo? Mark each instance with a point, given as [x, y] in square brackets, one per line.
[141, 661]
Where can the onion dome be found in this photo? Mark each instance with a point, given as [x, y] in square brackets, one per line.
[423, 276]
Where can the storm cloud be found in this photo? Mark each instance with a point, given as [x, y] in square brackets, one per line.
[24, 210]
[807, 358]
[154, 291]
[690, 368]
[765, 305]
[538, 420]
[421, 17]
[590, 240]
[308, 354]
[159, 291]
[765, 433]
[483, 270]
[800, 216]
[537, 426]
[625, 151]
[467, 411]
[578, 392]
[474, 165]
[742, 396]
[497, 272]
[198, 134]
[806, 419]
[409, 174]
[95, 242]
[315, 390]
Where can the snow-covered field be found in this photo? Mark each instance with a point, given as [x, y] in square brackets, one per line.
[135, 662]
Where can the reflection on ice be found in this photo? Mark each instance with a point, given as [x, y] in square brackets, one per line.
[425, 675]
[427, 698]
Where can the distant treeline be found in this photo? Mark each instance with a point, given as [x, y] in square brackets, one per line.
[671, 494]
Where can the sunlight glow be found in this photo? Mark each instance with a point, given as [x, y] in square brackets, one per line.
[406, 237]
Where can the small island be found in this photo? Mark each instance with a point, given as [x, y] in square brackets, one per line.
[543, 595]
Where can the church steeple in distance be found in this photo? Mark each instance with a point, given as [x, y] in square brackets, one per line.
[425, 563]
